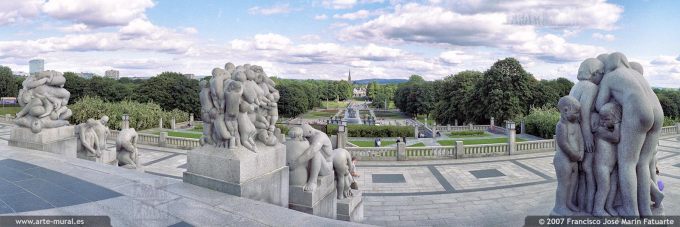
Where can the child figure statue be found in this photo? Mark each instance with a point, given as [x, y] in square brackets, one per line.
[570, 150]
[607, 134]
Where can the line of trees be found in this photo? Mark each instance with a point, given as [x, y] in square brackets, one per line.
[299, 96]
[380, 95]
[504, 91]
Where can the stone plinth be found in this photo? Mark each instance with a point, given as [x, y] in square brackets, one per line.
[320, 202]
[352, 208]
[60, 140]
[259, 176]
[107, 157]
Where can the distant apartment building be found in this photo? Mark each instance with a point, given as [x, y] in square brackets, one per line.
[112, 74]
[36, 66]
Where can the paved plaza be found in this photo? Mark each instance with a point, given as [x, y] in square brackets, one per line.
[492, 191]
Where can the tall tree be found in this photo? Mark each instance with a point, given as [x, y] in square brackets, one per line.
[8, 86]
[505, 91]
[171, 90]
[455, 98]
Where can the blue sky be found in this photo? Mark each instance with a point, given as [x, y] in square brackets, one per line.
[323, 39]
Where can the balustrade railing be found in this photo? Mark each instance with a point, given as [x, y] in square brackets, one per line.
[669, 130]
[373, 153]
[482, 150]
[434, 152]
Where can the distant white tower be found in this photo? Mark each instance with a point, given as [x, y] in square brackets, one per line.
[36, 66]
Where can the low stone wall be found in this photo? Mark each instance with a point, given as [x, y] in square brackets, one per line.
[162, 140]
[401, 152]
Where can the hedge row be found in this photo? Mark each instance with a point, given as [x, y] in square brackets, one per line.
[142, 115]
[541, 122]
[374, 131]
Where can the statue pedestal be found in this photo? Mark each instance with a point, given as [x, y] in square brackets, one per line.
[320, 202]
[259, 176]
[61, 141]
[107, 157]
[352, 208]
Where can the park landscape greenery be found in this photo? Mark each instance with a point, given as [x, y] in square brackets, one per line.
[504, 91]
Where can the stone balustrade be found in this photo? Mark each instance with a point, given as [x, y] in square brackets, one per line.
[433, 152]
[670, 130]
[162, 141]
[536, 145]
[374, 153]
[483, 150]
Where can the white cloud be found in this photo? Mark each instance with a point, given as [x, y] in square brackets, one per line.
[339, 4]
[321, 17]
[98, 13]
[596, 14]
[361, 14]
[605, 37]
[139, 35]
[277, 9]
[454, 57]
[665, 60]
[415, 23]
[13, 11]
[75, 28]
[271, 41]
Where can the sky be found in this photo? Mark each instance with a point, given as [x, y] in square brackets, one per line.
[325, 39]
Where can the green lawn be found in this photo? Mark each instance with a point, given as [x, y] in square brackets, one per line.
[417, 145]
[13, 110]
[320, 114]
[371, 143]
[334, 104]
[182, 134]
[478, 141]
[467, 136]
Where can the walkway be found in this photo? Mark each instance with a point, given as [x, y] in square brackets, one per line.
[40, 183]
[492, 191]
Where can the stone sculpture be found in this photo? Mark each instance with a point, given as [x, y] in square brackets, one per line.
[569, 151]
[241, 149]
[318, 155]
[126, 149]
[89, 138]
[295, 147]
[43, 100]
[238, 108]
[620, 123]
[342, 165]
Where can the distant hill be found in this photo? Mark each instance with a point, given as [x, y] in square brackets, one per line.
[380, 81]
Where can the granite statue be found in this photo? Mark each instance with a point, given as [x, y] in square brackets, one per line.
[43, 100]
[342, 165]
[295, 147]
[620, 121]
[238, 108]
[126, 149]
[570, 151]
[102, 130]
[89, 138]
[318, 156]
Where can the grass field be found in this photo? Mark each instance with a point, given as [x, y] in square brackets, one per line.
[417, 145]
[467, 136]
[370, 143]
[389, 115]
[478, 141]
[319, 114]
[334, 104]
[13, 110]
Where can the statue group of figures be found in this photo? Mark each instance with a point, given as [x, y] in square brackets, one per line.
[43, 100]
[310, 154]
[238, 107]
[93, 134]
[606, 141]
